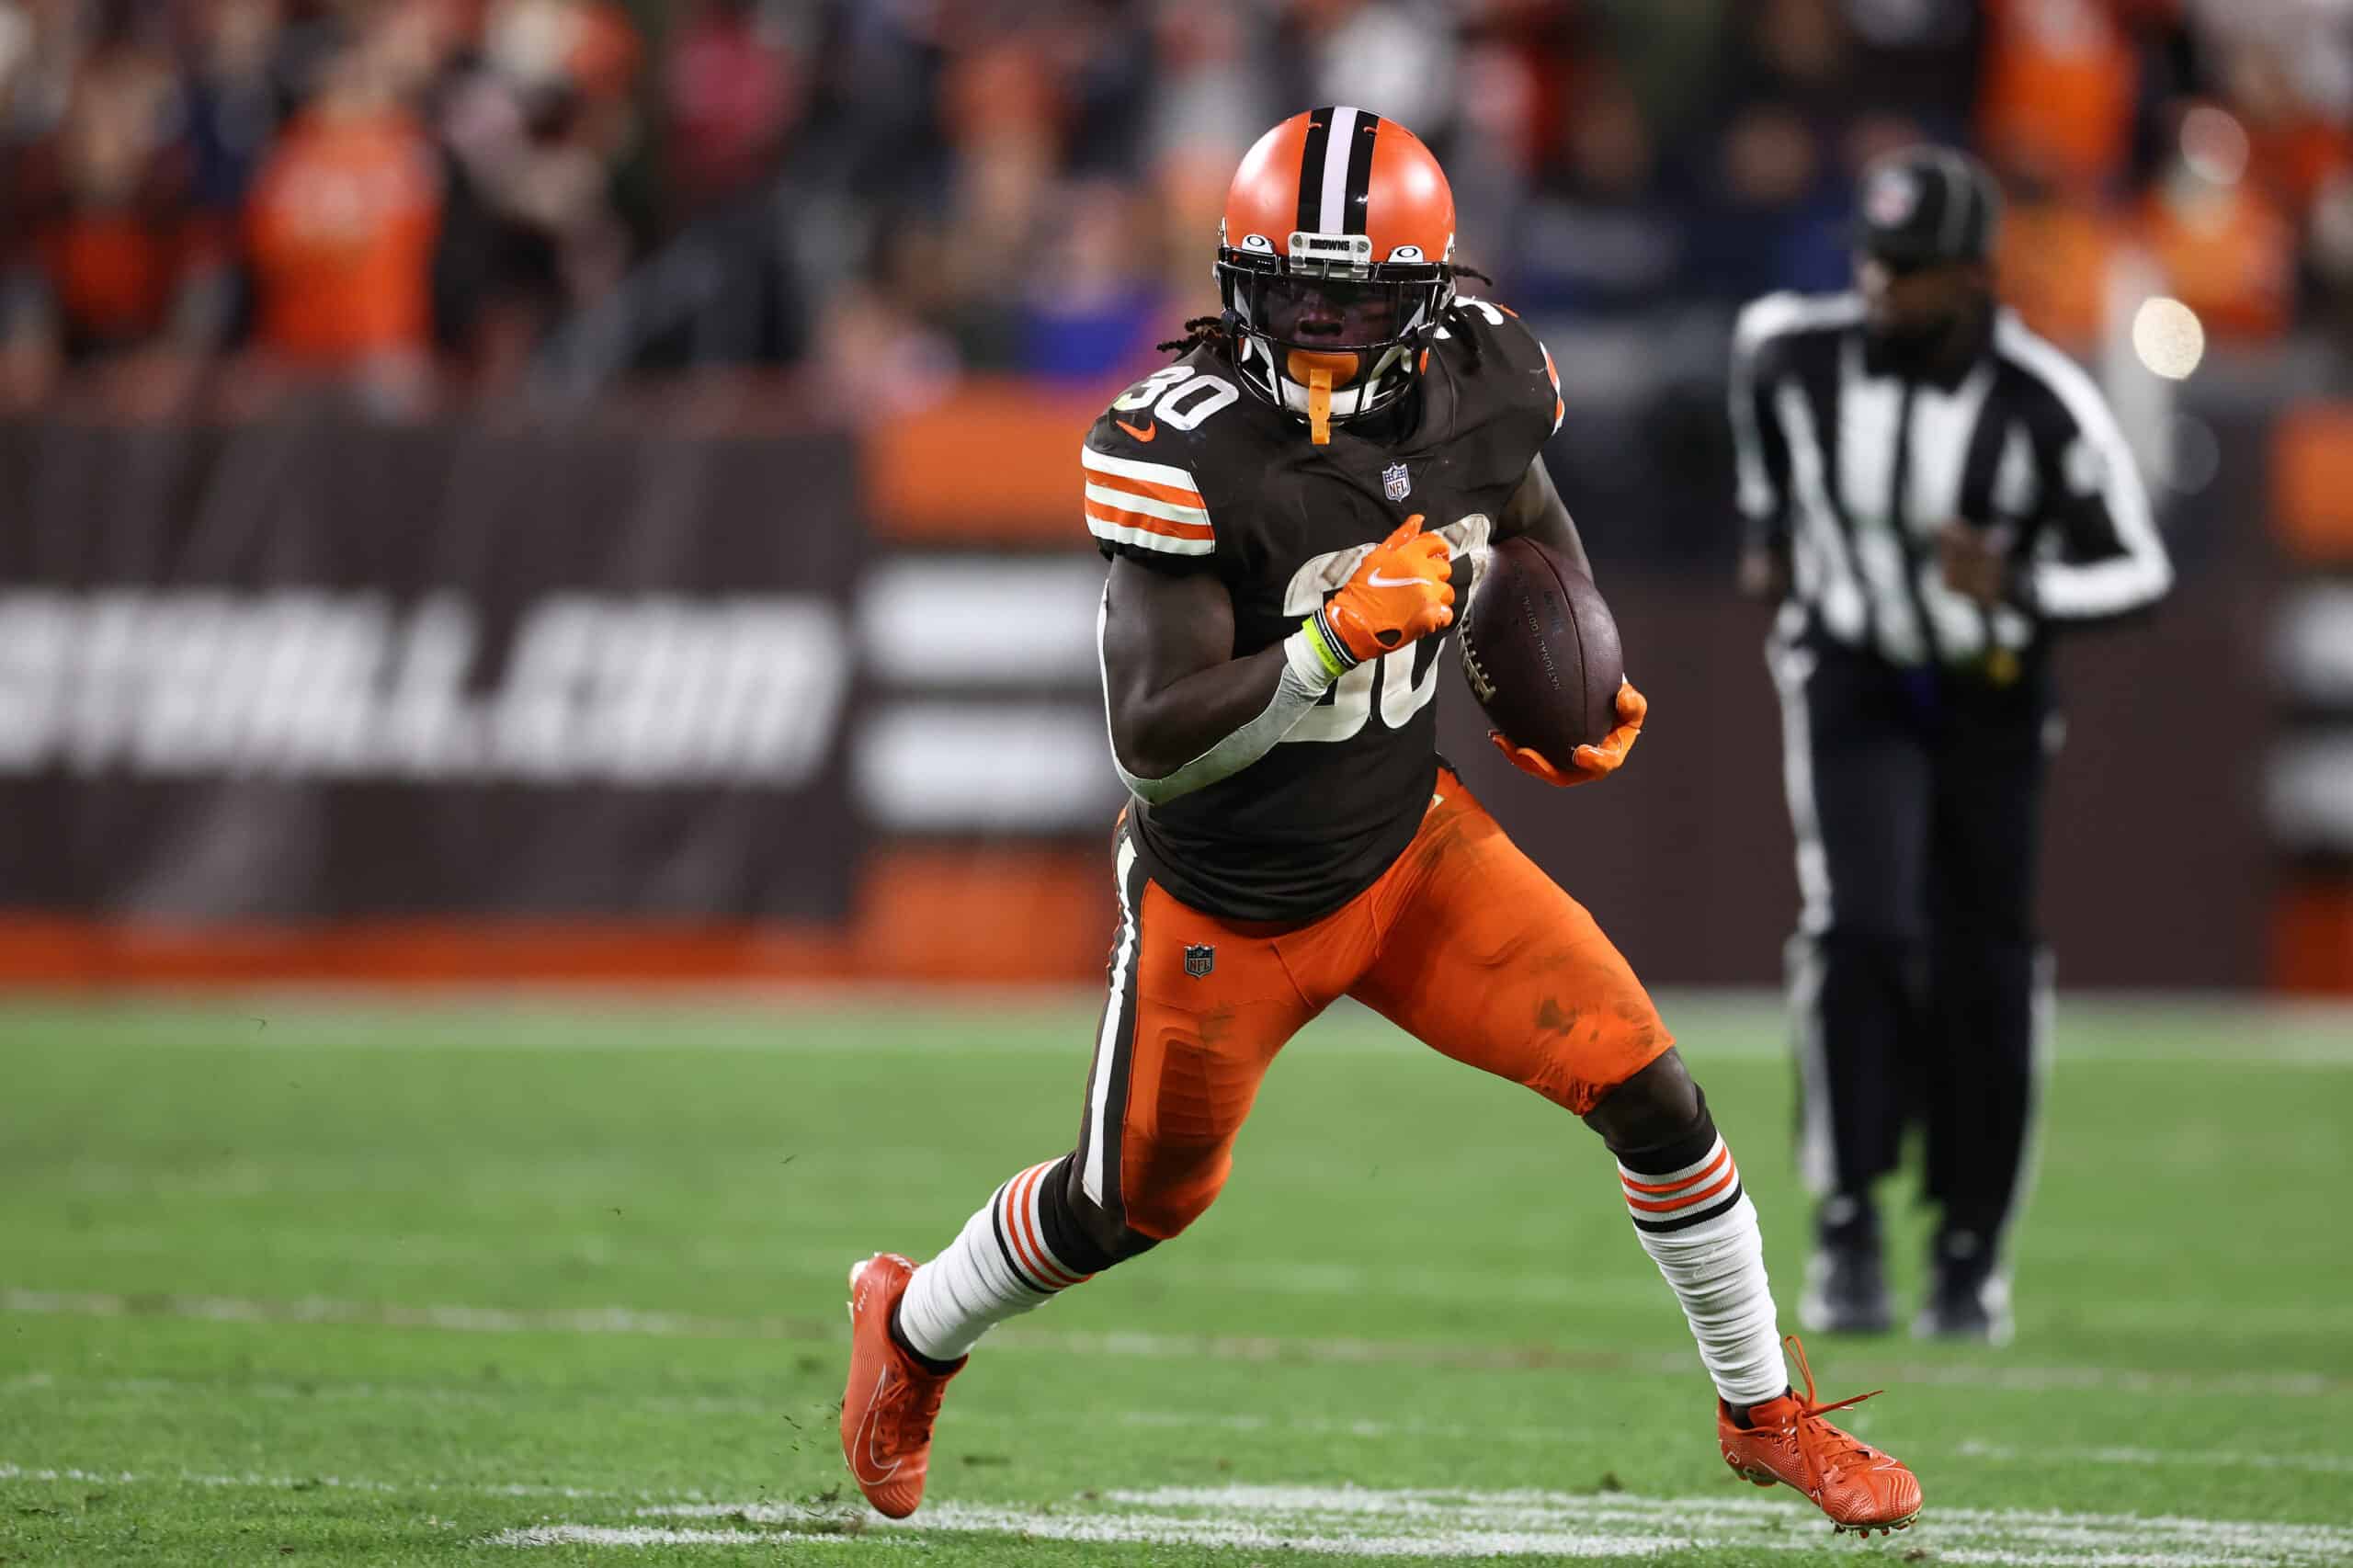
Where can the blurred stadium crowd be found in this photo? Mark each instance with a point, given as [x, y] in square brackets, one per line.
[429, 198]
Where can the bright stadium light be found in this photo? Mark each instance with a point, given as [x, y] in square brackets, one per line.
[2168, 337]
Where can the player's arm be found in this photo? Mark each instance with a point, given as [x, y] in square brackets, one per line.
[1537, 510]
[1184, 712]
[1172, 690]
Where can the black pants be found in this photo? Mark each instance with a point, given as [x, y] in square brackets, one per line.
[1917, 987]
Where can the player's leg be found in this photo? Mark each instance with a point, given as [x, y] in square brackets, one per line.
[1494, 964]
[1858, 774]
[1487, 959]
[1195, 1012]
[1989, 989]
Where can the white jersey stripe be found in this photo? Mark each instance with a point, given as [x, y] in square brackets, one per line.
[1121, 533]
[1128, 501]
[1333, 211]
[1106, 1044]
[1129, 468]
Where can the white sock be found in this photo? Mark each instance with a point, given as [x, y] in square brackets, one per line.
[1701, 1231]
[998, 1267]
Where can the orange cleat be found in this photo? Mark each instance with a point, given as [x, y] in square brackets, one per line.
[891, 1401]
[1789, 1443]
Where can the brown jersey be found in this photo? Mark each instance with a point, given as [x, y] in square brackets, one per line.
[1187, 471]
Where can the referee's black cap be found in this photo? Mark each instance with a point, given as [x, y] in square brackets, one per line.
[1925, 204]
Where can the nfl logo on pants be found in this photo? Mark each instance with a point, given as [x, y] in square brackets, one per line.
[1200, 959]
[1395, 482]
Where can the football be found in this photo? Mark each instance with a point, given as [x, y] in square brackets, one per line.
[1541, 651]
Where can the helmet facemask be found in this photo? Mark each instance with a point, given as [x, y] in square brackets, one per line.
[1327, 333]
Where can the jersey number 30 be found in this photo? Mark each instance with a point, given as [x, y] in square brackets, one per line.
[1178, 395]
[1402, 696]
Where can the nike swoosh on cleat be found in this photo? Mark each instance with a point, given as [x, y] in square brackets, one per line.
[1146, 434]
[862, 1442]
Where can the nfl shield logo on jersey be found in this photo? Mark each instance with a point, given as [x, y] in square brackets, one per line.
[1395, 482]
[1200, 959]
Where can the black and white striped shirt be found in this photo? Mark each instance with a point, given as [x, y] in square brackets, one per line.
[1856, 467]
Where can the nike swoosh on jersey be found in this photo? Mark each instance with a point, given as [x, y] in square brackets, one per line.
[1148, 433]
[862, 1452]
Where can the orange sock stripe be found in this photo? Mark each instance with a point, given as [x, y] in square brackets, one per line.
[1016, 1206]
[1025, 1233]
[1053, 1265]
[1692, 1200]
[1632, 1186]
[1010, 1217]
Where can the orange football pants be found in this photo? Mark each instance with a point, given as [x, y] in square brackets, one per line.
[1464, 943]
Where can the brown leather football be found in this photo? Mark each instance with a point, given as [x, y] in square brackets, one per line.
[1541, 651]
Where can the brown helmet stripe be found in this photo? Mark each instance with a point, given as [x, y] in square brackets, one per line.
[1357, 193]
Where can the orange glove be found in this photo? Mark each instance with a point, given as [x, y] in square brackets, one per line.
[1400, 593]
[1590, 761]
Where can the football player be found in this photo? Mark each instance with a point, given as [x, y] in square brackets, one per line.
[1291, 509]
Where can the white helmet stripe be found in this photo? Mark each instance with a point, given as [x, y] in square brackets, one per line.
[1333, 211]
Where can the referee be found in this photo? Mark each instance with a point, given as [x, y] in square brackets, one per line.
[1928, 489]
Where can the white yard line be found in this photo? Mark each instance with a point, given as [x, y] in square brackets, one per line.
[1357, 1522]
[1144, 1344]
[1363, 1522]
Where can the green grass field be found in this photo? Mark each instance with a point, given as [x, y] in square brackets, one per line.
[562, 1282]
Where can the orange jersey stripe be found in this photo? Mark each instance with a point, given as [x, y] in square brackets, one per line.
[1175, 495]
[1151, 525]
[1699, 1175]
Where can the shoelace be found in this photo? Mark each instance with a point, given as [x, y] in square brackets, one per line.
[1809, 1408]
[913, 1402]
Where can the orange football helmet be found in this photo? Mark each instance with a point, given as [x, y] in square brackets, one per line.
[1335, 261]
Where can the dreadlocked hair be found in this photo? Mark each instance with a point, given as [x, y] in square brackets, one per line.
[1470, 340]
[1203, 330]
[1198, 331]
